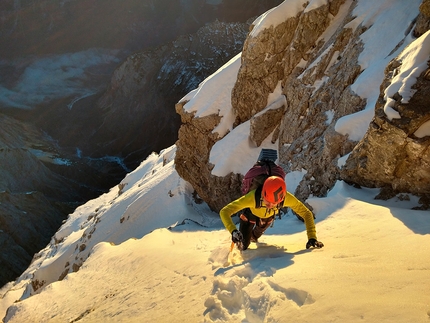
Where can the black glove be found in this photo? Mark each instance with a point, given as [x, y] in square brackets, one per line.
[236, 236]
[314, 243]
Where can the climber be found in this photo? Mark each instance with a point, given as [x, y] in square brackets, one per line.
[258, 209]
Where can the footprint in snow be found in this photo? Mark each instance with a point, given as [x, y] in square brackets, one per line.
[243, 290]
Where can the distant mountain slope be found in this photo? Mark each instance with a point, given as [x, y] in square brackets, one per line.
[51, 78]
[40, 27]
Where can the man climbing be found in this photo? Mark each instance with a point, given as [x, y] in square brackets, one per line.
[259, 207]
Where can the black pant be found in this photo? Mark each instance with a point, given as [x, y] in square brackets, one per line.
[252, 226]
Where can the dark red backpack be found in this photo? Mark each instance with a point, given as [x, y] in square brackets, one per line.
[262, 169]
[258, 173]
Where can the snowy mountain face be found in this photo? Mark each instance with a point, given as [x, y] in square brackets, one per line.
[67, 133]
[311, 78]
[309, 84]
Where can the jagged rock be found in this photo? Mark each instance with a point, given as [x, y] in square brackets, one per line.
[390, 155]
[423, 19]
[192, 159]
[259, 73]
[308, 140]
[263, 57]
[262, 125]
[425, 8]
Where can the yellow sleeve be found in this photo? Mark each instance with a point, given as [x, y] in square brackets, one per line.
[301, 209]
[235, 206]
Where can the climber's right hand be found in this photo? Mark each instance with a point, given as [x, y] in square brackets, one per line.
[236, 236]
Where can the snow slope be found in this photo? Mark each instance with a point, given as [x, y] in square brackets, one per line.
[374, 266]
[151, 251]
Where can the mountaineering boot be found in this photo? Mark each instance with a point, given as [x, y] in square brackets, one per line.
[253, 238]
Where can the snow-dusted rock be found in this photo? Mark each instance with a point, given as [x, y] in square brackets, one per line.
[329, 58]
[395, 153]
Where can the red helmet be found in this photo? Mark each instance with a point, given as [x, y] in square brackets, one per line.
[274, 189]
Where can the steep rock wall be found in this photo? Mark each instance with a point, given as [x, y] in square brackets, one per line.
[192, 159]
[391, 155]
[274, 56]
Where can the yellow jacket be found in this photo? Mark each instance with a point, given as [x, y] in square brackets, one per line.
[248, 201]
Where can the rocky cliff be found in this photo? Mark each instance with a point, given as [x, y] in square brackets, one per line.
[394, 153]
[314, 55]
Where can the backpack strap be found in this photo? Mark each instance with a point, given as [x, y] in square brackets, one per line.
[269, 167]
[258, 199]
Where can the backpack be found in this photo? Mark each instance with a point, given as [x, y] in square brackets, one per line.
[258, 173]
[262, 169]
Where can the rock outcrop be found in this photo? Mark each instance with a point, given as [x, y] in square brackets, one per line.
[423, 20]
[315, 57]
[270, 57]
[393, 154]
[192, 159]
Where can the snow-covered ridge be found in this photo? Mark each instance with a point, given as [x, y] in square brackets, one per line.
[126, 211]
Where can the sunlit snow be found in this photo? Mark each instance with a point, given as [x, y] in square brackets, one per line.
[150, 250]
